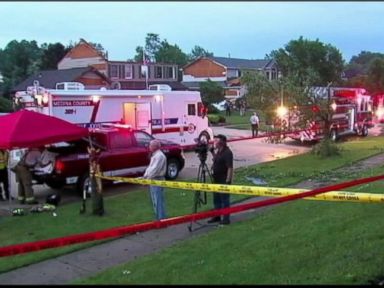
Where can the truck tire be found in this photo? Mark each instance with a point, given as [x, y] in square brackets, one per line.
[364, 131]
[84, 182]
[55, 184]
[204, 136]
[173, 169]
[333, 135]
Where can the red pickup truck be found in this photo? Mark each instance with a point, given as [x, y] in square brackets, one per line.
[124, 152]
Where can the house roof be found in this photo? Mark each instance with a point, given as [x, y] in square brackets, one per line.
[139, 85]
[83, 42]
[236, 63]
[49, 78]
[241, 63]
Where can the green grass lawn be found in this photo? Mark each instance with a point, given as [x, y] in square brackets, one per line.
[235, 118]
[300, 242]
[135, 207]
[236, 121]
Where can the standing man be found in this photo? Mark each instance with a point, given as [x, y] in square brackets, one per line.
[24, 176]
[227, 108]
[254, 124]
[222, 169]
[4, 173]
[156, 171]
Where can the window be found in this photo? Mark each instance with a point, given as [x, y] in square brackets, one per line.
[158, 72]
[113, 73]
[192, 109]
[120, 140]
[143, 71]
[143, 138]
[121, 71]
[200, 107]
[128, 71]
[274, 74]
[169, 72]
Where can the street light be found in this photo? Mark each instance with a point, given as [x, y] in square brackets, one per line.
[281, 111]
[334, 106]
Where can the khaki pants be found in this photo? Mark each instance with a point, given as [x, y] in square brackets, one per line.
[24, 178]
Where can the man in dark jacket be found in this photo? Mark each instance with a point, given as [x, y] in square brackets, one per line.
[222, 173]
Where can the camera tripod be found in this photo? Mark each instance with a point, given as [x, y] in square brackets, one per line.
[200, 197]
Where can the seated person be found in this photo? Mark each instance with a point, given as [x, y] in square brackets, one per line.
[45, 162]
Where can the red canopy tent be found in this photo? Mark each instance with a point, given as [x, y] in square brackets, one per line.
[27, 129]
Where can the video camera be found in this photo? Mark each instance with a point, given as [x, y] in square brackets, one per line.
[201, 149]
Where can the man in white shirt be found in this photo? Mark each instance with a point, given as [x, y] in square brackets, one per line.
[254, 124]
[156, 170]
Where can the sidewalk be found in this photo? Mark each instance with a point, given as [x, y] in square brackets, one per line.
[87, 262]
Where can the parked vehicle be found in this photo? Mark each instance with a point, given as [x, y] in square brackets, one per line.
[170, 115]
[352, 115]
[124, 152]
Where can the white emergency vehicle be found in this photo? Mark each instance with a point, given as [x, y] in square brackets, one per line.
[177, 116]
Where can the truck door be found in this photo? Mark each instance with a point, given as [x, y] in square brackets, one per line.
[138, 116]
[130, 114]
[190, 121]
[143, 117]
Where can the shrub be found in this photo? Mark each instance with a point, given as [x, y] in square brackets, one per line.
[5, 105]
[215, 119]
[212, 109]
[326, 148]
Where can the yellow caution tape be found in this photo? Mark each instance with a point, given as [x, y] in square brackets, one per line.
[254, 190]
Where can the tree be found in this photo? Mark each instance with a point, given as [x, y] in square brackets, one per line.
[18, 60]
[359, 71]
[261, 94]
[360, 63]
[152, 46]
[52, 54]
[211, 92]
[197, 52]
[375, 79]
[309, 62]
[98, 47]
[171, 54]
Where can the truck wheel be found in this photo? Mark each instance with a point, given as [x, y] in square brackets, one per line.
[173, 169]
[333, 135]
[364, 131]
[55, 184]
[204, 137]
[84, 183]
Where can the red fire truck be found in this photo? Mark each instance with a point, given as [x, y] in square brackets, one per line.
[352, 114]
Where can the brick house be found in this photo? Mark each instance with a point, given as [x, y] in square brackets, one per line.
[226, 72]
[125, 74]
[90, 77]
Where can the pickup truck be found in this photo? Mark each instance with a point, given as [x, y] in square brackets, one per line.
[124, 152]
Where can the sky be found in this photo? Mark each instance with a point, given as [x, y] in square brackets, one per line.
[247, 30]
